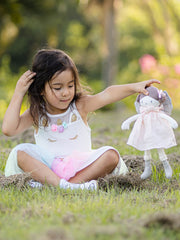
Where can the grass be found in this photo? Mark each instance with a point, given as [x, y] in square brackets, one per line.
[53, 214]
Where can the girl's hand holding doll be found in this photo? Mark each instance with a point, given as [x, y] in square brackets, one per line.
[140, 87]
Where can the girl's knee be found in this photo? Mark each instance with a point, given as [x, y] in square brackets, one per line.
[112, 157]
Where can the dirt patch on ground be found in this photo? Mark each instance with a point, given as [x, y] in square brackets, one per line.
[132, 180]
[173, 157]
[20, 181]
[54, 234]
[167, 221]
[128, 182]
[134, 163]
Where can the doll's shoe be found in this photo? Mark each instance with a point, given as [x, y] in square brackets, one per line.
[167, 169]
[147, 171]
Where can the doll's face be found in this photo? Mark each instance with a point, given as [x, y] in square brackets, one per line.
[149, 101]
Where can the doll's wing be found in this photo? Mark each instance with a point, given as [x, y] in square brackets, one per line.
[137, 106]
[167, 104]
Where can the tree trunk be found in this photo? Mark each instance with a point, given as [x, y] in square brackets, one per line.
[109, 43]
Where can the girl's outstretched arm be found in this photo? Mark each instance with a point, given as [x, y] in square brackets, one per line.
[13, 123]
[115, 93]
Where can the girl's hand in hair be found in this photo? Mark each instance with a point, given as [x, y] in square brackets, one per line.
[24, 82]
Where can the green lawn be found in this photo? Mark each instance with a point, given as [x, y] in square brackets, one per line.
[149, 211]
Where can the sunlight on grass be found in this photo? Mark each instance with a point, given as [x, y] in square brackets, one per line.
[52, 213]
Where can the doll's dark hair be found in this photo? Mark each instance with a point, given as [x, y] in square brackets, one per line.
[46, 63]
[154, 93]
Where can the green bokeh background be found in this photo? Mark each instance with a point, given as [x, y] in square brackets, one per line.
[84, 29]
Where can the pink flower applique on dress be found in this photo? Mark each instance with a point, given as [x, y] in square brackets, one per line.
[60, 129]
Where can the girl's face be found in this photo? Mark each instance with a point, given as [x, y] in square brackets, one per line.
[59, 92]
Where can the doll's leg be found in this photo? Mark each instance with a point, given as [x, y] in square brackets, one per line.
[43, 174]
[163, 158]
[148, 169]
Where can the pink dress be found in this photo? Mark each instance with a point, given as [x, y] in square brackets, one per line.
[151, 131]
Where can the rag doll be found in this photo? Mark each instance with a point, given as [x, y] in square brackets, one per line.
[152, 128]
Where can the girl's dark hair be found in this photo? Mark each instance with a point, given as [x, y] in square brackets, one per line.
[46, 63]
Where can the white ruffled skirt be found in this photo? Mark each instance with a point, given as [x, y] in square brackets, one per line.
[65, 167]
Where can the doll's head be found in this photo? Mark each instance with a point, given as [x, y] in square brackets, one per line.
[154, 95]
[155, 98]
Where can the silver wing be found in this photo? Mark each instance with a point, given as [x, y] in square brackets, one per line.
[167, 104]
[137, 104]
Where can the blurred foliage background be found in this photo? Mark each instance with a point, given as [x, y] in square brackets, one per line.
[111, 41]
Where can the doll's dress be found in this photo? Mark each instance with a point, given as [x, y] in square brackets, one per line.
[151, 131]
[64, 145]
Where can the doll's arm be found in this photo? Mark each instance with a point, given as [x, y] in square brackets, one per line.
[172, 122]
[125, 125]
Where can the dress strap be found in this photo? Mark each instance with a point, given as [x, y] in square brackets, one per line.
[74, 115]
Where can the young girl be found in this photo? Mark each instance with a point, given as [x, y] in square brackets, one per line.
[62, 154]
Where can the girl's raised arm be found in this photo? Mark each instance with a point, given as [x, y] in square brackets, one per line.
[115, 93]
[13, 123]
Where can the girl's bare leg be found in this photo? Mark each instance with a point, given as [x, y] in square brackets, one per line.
[104, 165]
[39, 171]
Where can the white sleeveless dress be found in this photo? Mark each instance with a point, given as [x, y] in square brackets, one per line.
[64, 146]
